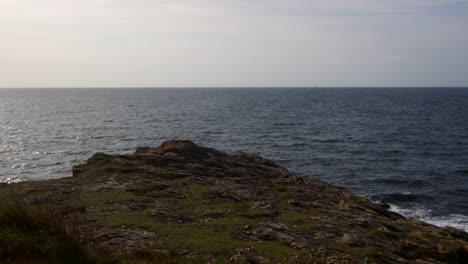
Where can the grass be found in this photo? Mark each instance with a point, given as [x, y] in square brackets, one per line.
[214, 228]
[103, 164]
[292, 217]
[214, 237]
[39, 234]
[99, 198]
[197, 237]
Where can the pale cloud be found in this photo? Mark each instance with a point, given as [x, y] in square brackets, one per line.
[232, 43]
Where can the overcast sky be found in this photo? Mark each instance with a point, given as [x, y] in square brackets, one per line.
[173, 43]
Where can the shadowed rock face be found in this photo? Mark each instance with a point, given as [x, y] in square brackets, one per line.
[185, 203]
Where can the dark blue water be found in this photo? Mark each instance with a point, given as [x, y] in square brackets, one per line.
[407, 147]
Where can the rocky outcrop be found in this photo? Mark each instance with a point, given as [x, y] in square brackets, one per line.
[186, 203]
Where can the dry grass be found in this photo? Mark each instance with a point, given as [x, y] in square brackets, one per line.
[46, 233]
[40, 233]
[41, 216]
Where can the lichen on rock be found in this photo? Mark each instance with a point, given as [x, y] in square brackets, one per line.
[184, 203]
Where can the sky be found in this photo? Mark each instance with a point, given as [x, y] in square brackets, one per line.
[233, 43]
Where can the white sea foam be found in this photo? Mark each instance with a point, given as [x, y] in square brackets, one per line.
[452, 220]
[10, 180]
[43, 133]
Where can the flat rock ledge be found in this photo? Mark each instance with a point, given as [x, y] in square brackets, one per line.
[183, 203]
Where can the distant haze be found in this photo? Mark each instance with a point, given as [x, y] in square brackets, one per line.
[174, 43]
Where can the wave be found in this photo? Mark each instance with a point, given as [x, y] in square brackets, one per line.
[457, 221]
[402, 182]
[16, 179]
[391, 181]
[461, 191]
[418, 183]
[289, 145]
[327, 140]
[393, 198]
[393, 153]
[462, 171]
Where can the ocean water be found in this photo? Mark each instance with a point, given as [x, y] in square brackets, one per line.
[406, 147]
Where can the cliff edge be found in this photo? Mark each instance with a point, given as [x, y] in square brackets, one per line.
[183, 203]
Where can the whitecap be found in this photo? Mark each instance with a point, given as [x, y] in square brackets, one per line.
[457, 221]
[10, 180]
[452, 220]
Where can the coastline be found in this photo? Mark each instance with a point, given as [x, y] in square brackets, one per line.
[183, 202]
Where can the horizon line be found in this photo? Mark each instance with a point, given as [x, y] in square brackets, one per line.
[240, 87]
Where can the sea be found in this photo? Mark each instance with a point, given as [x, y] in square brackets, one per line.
[406, 147]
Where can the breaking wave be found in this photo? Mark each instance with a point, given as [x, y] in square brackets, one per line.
[457, 221]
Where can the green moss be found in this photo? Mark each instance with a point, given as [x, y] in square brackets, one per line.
[195, 190]
[370, 252]
[102, 164]
[420, 253]
[201, 207]
[281, 191]
[203, 240]
[195, 202]
[201, 237]
[148, 189]
[195, 236]
[234, 220]
[274, 250]
[292, 217]
[358, 251]
[214, 237]
[137, 218]
[97, 198]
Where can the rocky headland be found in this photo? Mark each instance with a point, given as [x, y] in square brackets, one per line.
[183, 203]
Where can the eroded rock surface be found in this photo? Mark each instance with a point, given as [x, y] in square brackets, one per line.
[186, 203]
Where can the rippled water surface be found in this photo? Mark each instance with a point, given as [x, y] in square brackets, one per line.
[407, 147]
